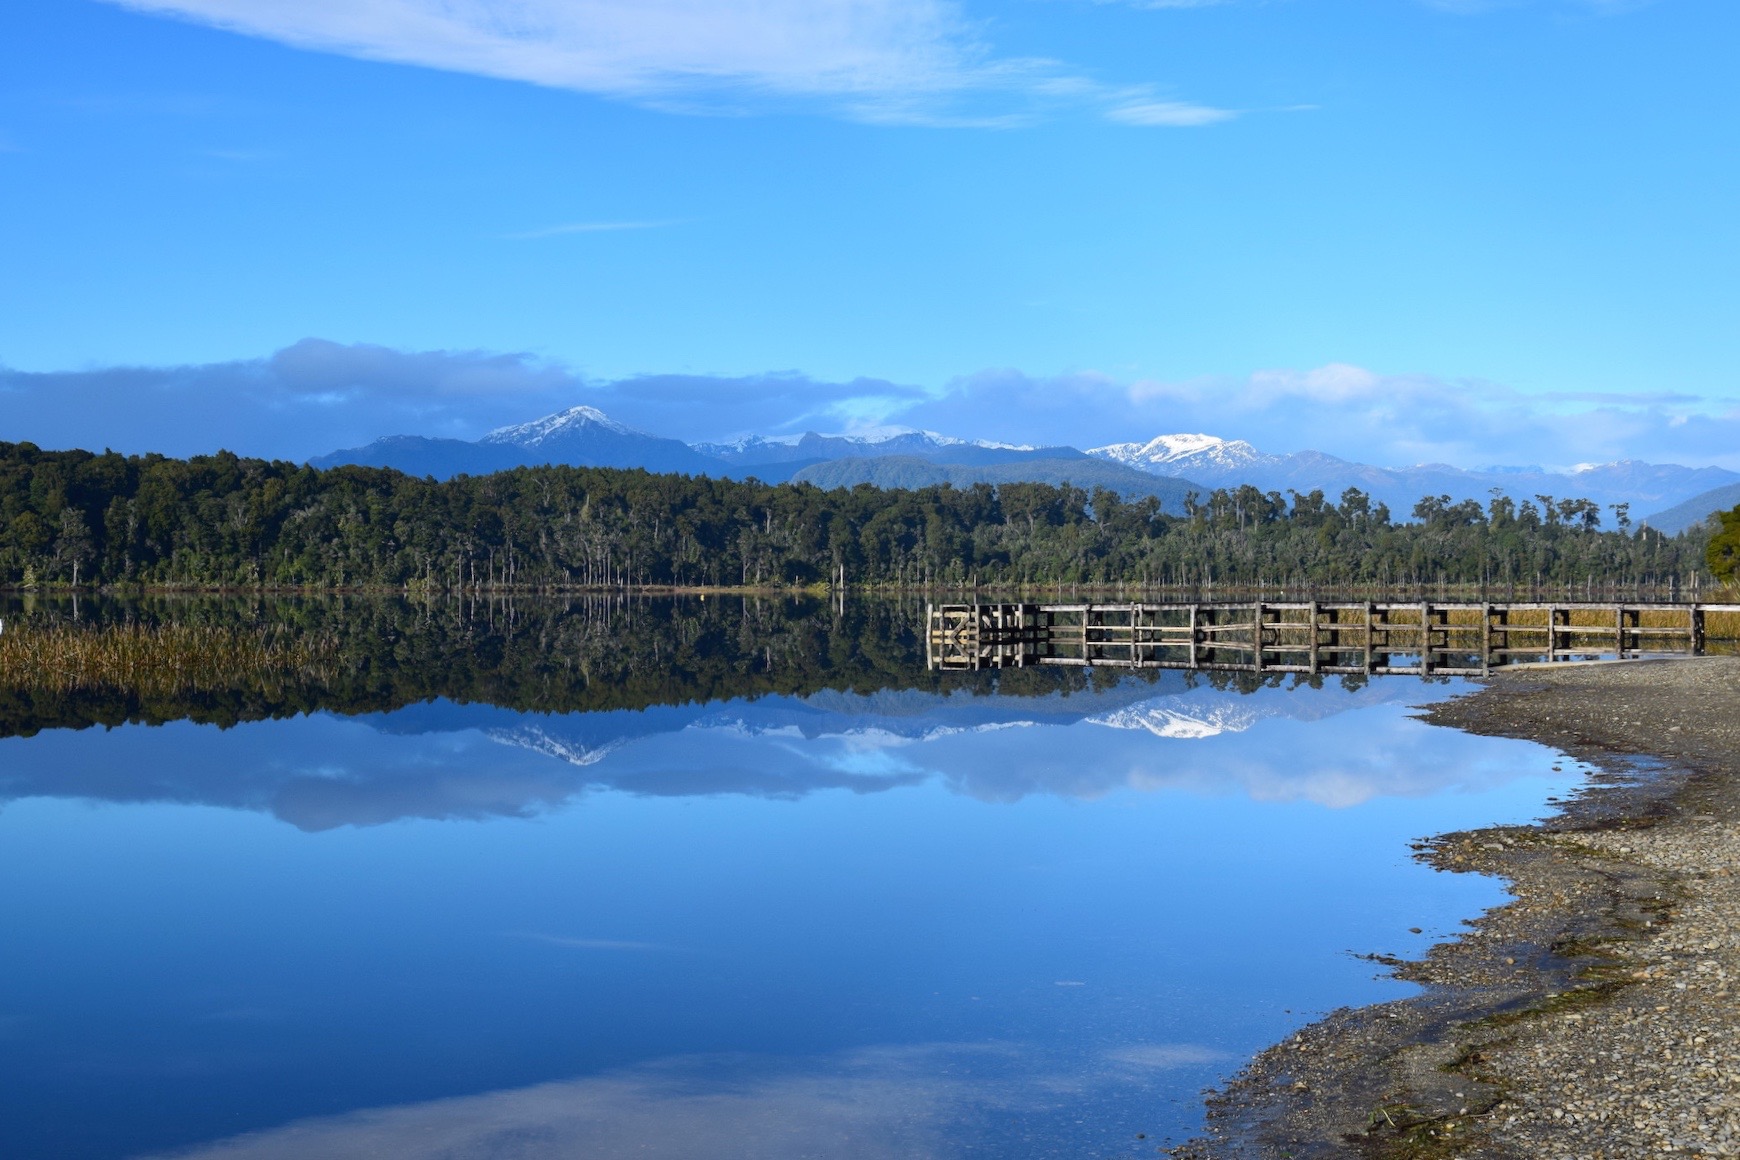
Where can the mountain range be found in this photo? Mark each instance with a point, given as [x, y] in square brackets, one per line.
[585, 436]
[1646, 487]
[1167, 467]
[582, 436]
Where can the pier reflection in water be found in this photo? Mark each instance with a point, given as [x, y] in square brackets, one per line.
[1367, 637]
[756, 883]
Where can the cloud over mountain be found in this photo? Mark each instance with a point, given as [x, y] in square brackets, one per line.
[302, 400]
[317, 395]
[1349, 411]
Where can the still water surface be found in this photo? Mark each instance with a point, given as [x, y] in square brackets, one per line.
[884, 916]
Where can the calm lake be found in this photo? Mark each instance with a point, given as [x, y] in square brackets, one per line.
[684, 879]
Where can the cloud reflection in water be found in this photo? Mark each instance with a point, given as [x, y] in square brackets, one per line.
[908, 1102]
[450, 761]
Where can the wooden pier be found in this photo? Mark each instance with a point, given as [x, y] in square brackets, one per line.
[1423, 638]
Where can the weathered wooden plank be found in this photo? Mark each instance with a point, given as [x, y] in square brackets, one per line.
[1310, 636]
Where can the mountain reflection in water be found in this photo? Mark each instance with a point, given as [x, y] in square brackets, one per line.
[443, 760]
[664, 880]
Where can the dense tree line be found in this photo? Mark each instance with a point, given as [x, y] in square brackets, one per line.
[74, 518]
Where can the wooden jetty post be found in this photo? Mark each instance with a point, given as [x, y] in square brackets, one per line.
[1339, 637]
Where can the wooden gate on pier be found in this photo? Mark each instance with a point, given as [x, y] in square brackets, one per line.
[1420, 638]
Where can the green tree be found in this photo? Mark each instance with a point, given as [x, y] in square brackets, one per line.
[1723, 553]
[73, 547]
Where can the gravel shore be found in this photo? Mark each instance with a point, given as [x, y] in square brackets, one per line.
[1592, 1018]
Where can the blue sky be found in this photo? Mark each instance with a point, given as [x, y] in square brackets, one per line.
[1472, 231]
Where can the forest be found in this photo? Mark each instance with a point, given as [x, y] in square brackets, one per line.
[82, 520]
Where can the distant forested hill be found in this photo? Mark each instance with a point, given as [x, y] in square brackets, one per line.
[1695, 510]
[77, 518]
[912, 472]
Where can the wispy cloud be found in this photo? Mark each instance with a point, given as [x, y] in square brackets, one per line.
[1172, 114]
[1160, 4]
[585, 228]
[885, 61]
[1480, 7]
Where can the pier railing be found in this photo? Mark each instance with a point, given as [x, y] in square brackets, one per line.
[1422, 638]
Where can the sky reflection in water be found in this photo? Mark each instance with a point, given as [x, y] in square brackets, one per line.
[897, 924]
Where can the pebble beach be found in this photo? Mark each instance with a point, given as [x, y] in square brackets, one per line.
[1596, 1016]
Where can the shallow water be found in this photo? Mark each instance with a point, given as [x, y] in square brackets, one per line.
[884, 916]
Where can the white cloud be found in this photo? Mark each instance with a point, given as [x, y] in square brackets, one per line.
[1350, 411]
[890, 61]
[644, 48]
[318, 396]
[307, 399]
[1173, 114]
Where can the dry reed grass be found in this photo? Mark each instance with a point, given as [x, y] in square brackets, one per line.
[156, 660]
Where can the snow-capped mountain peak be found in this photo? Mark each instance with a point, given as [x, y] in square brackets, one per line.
[571, 421]
[540, 740]
[1181, 451]
[1171, 717]
[747, 443]
[934, 438]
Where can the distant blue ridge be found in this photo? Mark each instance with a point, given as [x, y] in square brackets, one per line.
[1680, 497]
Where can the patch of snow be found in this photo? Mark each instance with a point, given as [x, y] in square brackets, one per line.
[540, 431]
[538, 741]
[746, 443]
[1190, 723]
[1182, 451]
[881, 435]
